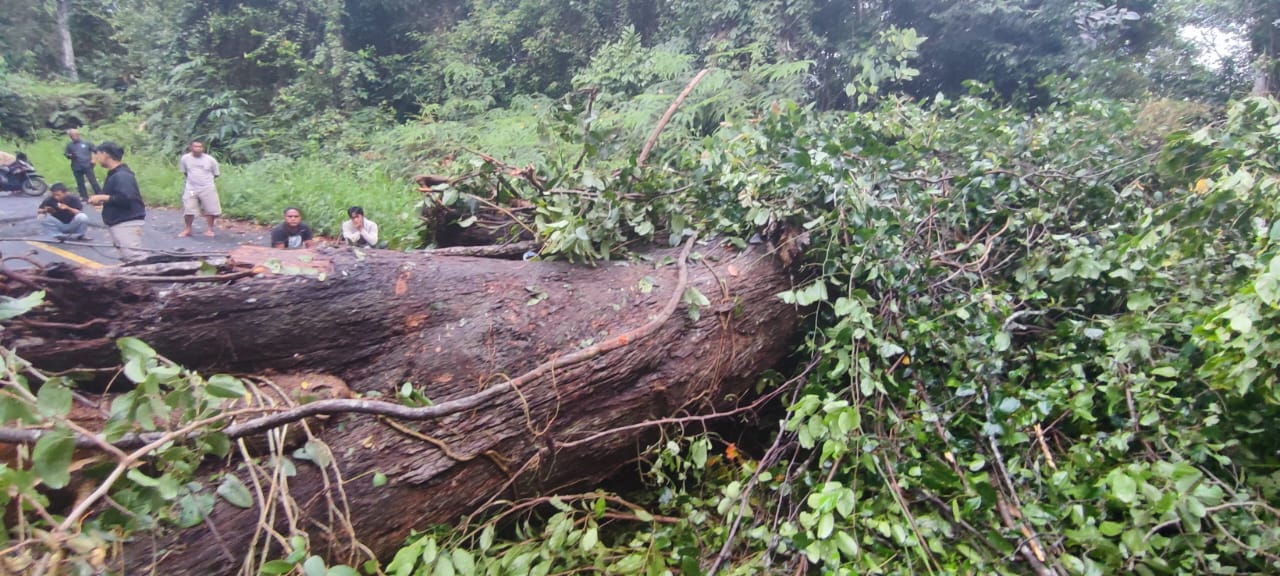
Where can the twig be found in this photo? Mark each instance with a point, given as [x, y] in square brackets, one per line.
[1044, 448]
[657, 130]
[61, 325]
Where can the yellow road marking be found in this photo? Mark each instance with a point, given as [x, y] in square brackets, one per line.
[72, 256]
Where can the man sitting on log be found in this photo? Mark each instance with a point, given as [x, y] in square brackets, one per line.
[293, 232]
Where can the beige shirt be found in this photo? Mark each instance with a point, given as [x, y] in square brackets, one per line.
[369, 233]
[200, 172]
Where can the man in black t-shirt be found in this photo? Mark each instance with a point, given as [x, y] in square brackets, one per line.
[293, 232]
[63, 215]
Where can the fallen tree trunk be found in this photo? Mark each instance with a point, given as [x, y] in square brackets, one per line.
[455, 327]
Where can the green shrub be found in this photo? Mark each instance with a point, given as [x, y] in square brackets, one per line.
[28, 106]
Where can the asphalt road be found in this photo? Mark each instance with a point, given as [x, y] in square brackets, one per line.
[23, 240]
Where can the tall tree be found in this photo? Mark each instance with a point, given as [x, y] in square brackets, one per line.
[67, 52]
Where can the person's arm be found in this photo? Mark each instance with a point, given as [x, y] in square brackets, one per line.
[278, 237]
[349, 232]
[307, 238]
[370, 232]
[217, 171]
[66, 150]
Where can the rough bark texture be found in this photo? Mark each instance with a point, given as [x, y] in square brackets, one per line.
[62, 17]
[453, 326]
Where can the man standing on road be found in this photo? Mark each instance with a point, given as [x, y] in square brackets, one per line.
[122, 209]
[293, 232]
[80, 152]
[62, 213]
[199, 194]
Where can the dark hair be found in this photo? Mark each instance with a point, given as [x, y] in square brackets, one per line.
[58, 187]
[352, 211]
[115, 151]
[286, 210]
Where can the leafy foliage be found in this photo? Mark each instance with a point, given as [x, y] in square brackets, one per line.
[1037, 336]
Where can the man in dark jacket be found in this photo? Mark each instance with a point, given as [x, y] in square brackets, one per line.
[122, 209]
[80, 152]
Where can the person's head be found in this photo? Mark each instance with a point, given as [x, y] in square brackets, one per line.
[58, 191]
[108, 154]
[292, 217]
[74, 135]
[197, 148]
[356, 214]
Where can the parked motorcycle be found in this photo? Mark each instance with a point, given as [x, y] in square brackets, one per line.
[21, 176]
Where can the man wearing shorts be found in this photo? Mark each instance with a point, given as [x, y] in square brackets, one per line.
[199, 195]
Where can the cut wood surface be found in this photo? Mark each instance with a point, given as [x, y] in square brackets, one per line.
[452, 327]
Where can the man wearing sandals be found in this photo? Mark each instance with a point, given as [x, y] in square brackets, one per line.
[199, 194]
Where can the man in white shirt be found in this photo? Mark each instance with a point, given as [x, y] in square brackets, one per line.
[360, 231]
[199, 194]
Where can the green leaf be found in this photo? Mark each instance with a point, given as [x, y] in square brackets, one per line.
[54, 398]
[342, 570]
[816, 292]
[135, 370]
[444, 565]
[134, 348]
[234, 491]
[464, 563]
[51, 458]
[1165, 371]
[314, 566]
[486, 538]
[14, 307]
[379, 479]
[275, 568]
[1139, 301]
[1123, 487]
[698, 453]
[225, 386]
[141, 479]
[694, 297]
[406, 558]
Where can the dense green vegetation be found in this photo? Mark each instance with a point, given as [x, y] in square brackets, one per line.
[1036, 245]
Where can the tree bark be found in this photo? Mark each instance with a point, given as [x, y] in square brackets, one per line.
[63, 18]
[452, 326]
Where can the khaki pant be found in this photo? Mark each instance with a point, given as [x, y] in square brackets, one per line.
[127, 238]
[195, 203]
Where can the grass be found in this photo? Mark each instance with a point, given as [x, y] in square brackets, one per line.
[258, 191]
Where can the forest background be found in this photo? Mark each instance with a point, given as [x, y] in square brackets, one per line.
[1039, 243]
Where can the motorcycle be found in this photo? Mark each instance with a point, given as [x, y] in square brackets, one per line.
[21, 176]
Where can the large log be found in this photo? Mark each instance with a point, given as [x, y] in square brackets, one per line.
[453, 326]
